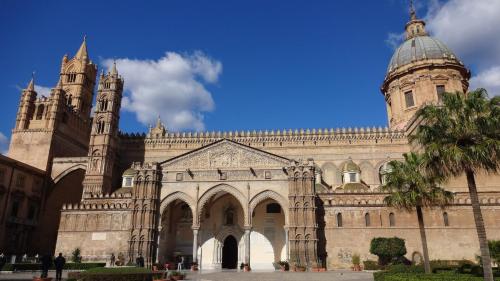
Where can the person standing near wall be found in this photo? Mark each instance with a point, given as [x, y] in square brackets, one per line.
[59, 262]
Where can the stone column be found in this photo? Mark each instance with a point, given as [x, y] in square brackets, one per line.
[158, 245]
[248, 230]
[195, 243]
[287, 244]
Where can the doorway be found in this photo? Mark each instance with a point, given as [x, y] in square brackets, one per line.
[230, 253]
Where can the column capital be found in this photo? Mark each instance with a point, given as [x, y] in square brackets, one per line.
[195, 227]
[247, 228]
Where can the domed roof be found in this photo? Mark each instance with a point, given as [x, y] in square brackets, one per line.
[350, 166]
[419, 48]
[129, 172]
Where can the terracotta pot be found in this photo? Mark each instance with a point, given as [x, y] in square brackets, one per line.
[42, 279]
[282, 268]
[194, 267]
[246, 268]
[301, 269]
[177, 277]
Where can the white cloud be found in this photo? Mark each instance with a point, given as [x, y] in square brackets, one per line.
[4, 144]
[172, 87]
[394, 39]
[488, 79]
[471, 29]
[42, 91]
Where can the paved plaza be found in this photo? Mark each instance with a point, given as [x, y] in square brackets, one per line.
[240, 276]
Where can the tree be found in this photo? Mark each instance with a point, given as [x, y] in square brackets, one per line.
[463, 137]
[494, 246]
[411, 188]
[75, 256]
[387, 249]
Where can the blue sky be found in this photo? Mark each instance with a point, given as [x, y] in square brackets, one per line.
[244, 64]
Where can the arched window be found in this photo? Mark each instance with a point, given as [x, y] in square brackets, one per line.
[339, 220]
[273, 208]
[71, 77]
[392, 220]
[445, 219]
[100, 127]
[367, 220]
[69, 100]
[39, 112]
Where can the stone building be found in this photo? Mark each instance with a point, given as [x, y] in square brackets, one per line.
[310, 196]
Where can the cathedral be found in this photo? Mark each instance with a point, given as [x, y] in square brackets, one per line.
[72, 179]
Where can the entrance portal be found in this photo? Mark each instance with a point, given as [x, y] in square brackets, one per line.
[230, 253]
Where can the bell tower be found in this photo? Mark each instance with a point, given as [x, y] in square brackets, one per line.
[57, 125]
[78, 75]
[104, 135]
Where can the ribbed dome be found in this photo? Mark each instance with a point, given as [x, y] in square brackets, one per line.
[350, 166]
[419, 48]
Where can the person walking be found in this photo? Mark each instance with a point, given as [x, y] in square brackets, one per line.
[181, 262]
[112, 260]
[46, 263]
[59, 262]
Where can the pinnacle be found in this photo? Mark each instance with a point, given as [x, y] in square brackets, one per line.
[82, 52]
[31, 85]
[113, 69]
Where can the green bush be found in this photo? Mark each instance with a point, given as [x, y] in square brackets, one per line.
[387, 249]
[494, 246]
[7, 267]
[401, 268]
[115, 274]
[371, 265]
[75, 256]
[67, 266]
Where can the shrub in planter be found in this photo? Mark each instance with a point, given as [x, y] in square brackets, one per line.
[356, 260]
[387, 249]
[401, 268]
[284, 266]
[371, 265]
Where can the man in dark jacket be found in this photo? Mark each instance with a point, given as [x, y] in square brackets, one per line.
[59, 262]
[46, 263]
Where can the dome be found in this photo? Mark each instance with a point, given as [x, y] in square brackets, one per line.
[129, 172]
[419, 48]
[350, 166]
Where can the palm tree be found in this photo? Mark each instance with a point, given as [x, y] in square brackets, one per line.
[411, 188]
[463, 136]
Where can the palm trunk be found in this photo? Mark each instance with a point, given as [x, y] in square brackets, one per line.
[481, 231]
[423, 237]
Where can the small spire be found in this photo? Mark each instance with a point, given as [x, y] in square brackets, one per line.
[82, 52]
[413, 14]
[31, 85]
[113, 69]
[158, 122]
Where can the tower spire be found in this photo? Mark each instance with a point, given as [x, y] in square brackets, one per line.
[82, 52]
[113, 69]
[413, 14]
[31, 85]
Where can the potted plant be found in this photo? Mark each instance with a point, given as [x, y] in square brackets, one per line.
[194, 266]
[176, 275]
[299, 267]
[356, 261]
[284, 266]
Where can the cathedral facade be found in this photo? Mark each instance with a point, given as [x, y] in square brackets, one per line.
[309, 196]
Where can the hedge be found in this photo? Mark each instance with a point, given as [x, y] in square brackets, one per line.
[115, 274]
[389, 276]
[38, 266]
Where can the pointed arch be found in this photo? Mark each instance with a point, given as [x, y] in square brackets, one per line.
[240, 197]
[268, 194]
[178, 195]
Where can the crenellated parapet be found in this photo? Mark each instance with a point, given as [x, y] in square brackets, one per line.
[267, 138]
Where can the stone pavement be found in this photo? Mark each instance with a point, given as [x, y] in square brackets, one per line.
[281, 276]
[239, 276]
